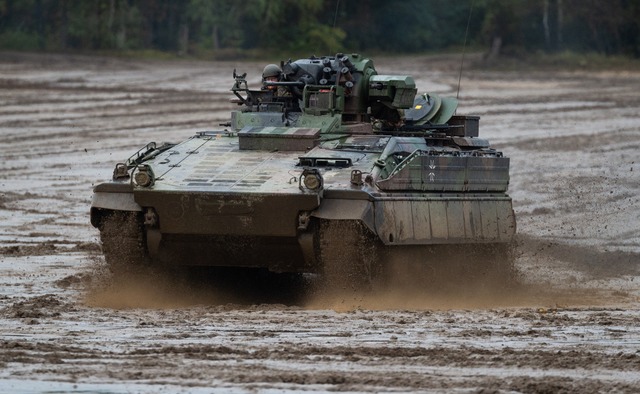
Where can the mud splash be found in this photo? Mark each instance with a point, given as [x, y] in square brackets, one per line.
[405, 286]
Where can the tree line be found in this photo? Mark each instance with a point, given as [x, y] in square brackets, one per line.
[196, 27]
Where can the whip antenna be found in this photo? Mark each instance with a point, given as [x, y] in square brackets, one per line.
[335, 18]
[464, 47]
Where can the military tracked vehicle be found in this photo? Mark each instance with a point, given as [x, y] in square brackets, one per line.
[329, 168]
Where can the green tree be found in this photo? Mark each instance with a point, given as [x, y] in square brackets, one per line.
[215, 23]
[290, 25]
[599, 26]
[322, 26]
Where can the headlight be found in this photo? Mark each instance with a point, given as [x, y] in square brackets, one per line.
[144, 176]
[312, 179]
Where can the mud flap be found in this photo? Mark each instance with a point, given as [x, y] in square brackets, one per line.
[307, 245]
[154, 236]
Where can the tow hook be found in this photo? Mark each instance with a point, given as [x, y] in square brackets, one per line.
[150, 218]
[303, 221]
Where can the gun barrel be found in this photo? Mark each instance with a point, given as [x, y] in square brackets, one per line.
[284, 83]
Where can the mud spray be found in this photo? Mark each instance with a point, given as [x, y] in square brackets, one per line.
[545, 274]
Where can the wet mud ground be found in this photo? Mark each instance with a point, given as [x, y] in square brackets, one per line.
[570, 324]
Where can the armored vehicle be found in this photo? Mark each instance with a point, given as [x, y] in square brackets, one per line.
[329, 168]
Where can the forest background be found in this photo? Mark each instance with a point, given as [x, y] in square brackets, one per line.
[220, 29]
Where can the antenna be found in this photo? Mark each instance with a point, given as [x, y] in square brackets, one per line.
[464, 47]
[335, 18]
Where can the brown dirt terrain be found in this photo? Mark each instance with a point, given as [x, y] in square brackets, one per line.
[571, 324]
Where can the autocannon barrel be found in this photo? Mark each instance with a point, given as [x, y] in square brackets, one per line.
[284, 83]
